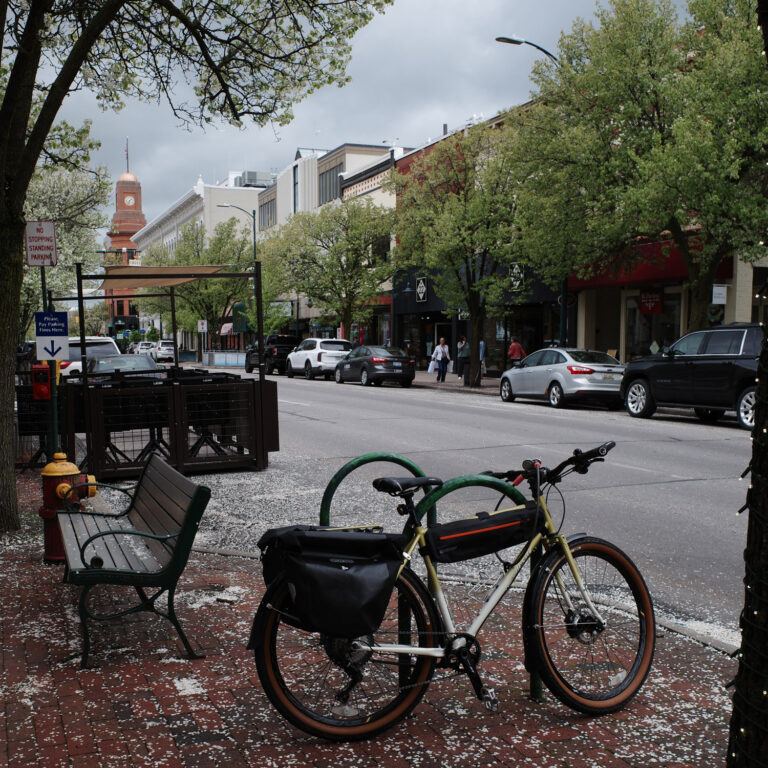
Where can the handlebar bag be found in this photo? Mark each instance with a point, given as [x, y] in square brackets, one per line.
[340, 581]
[483, 534]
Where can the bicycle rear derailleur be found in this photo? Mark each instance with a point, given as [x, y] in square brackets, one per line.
[464, 656]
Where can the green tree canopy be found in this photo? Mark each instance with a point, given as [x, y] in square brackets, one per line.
[210, 299]
[456, 216]
[647, 126]
[247, 59]
[337, 257]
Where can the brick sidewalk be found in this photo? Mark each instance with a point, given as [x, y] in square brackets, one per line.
[143, 704]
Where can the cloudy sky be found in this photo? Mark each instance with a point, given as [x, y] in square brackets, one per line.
[421, 64]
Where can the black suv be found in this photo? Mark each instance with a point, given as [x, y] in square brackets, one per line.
[711, 371]
[276, 349]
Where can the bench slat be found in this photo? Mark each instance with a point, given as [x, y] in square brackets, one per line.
[124, 553]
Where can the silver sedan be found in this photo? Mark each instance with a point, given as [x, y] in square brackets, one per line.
[561, 375]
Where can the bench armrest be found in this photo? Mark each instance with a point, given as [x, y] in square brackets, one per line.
[126, 489]
[97, 562]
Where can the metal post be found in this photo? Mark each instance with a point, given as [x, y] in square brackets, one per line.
[564, 313]
[86, 397]
[173, 328]
[392, 320]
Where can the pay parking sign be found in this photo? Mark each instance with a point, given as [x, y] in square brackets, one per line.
[51, 335]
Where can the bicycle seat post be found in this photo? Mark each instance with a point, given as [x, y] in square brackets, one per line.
[408, 508]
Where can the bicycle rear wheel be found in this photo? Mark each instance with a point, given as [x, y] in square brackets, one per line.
[330, 688]
[593, 666]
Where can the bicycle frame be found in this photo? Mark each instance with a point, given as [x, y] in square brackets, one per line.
[549, 539]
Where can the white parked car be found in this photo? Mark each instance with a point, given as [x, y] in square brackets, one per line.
[163, 350]
[316, 357]
[95, 346]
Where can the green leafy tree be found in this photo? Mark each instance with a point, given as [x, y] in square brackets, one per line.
[153, 334]
[646, 126]
[246, 60]
[337, 257]
[210, 299]
[72, 199]
[456, 217]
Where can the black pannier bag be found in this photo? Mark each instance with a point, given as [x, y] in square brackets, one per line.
[483, 534]
[340, 580]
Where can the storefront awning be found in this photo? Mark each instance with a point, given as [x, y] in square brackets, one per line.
[226, 329]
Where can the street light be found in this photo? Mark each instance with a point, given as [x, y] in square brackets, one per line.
[514, 40]
[406, 291]
[256, 286]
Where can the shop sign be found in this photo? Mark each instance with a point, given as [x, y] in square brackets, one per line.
[719, 294]
[651, 302]
[421, 289]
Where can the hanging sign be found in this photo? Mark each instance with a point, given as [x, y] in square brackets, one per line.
[421, 289]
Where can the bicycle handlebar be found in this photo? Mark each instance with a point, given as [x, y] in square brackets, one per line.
[532, 468]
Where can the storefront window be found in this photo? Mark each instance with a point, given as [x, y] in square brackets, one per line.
[652, 322]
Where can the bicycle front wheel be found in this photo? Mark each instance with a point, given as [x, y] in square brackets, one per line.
[337, 688]
[593, 658]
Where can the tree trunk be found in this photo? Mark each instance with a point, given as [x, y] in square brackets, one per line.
[11, 273]
[475, 368]
[748, 744]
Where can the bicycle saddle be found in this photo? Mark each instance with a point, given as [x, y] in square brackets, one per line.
[397, 485]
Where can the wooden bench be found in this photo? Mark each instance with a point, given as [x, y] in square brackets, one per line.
[146, 546]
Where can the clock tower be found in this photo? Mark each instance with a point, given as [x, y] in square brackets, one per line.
[127, 220]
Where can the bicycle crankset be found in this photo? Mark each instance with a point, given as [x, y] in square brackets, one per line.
[464, 656]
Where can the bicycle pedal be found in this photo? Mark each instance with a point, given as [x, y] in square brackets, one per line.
[489, 700]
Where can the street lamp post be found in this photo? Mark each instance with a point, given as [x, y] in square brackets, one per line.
[256, 286]
[407, 290]
[514, 40]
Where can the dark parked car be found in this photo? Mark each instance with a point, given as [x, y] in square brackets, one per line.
[276, 349]
[135, 366]
[711, 371]
[373, 365]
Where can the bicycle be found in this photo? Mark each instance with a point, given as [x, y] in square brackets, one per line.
[588, 620]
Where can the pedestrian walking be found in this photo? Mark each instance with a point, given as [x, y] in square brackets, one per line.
[442, 357]
[462, 355]
[515, 351]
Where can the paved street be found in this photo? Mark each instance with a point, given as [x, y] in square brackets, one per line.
[667, 494]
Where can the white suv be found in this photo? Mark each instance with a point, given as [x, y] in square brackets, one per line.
[163, 350]
[95, 346]
[314, 357]
[146, 348]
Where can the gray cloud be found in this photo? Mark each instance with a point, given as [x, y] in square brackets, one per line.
[421, 64]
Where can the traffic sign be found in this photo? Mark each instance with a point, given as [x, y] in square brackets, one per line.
[51, 335]
[40, 243]
[202, 326]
